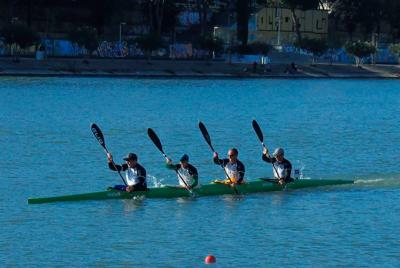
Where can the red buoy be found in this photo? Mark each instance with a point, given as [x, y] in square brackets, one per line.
[210, 259]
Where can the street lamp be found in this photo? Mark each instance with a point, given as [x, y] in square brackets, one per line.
[120, 30]
[214, 37]
[215, 29]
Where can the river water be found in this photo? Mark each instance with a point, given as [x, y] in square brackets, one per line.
[331, 129]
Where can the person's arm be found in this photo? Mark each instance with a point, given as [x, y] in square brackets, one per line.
[216, 159]
[172, 166]
[141, 173]
[195, 181]
[195, 175]
[288, 170]
[241, 170]
[122, 167]
[268, 159]
[114, 166]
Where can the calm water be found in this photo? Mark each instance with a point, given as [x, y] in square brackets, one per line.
[347, 129]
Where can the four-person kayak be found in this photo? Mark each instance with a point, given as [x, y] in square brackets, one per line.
[257, 186]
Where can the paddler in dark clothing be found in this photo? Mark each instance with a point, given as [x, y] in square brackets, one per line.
[185, 171]
[233, 167]
[282, 168]
[135, 174]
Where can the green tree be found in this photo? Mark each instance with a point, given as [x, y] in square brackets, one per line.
[20, 35]
[203, 7]
[258, 48]
[101, 12]
[243, 12]
[210, 44]
[170, 21]
[392, 16]
[370, 14]
[395, 49]
[347, 12]
[317, 47]
[156, 12]
[360, 50]
[85, 36]
[148, 43]
[367, 14]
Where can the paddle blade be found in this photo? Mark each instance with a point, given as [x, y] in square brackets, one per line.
[98, 134]
[153, 136]
[258, 131]
[206, 136]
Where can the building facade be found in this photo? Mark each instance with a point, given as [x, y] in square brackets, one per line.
[274, 25]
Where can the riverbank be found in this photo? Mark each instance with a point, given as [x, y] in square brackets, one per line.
[185, 69]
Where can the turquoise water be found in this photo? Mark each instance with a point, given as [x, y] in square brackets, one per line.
[345, 129]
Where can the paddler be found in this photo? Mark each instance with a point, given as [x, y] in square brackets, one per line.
[185, 171]
[135, 174]
[282, 168]
[233, 167]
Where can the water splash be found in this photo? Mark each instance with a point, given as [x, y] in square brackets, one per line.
[298, 168]
[153, 181]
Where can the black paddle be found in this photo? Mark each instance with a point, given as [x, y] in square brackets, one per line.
[207, 137]
[153, 136]
[100, 138]
[260, 136]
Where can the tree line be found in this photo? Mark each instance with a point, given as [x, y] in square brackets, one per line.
[161, 15]
[161, 18]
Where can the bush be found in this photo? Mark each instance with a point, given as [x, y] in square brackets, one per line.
[259, 48]
[149, 42]
[210, 44]
[395, 49]
[20, 34]
[317, 47]
[253, 48]
[359, 50]
[86, 37]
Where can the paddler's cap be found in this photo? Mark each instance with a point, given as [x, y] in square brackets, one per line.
[279, 151]
[184, 158]
[130, 156]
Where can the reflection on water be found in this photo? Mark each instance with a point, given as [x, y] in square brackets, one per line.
[137, 202]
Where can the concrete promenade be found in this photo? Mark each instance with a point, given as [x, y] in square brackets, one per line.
[185, 68]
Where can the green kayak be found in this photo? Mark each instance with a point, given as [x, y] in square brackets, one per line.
[260, 185]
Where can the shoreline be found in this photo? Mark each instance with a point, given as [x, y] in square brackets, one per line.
[175, 69]
[156, 76]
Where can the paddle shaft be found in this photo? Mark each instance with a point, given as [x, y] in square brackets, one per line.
[207, 137]
[273, 165]
[100, 138]
[260, 136]
[180, 176]
[157, 142]
[115, 166]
